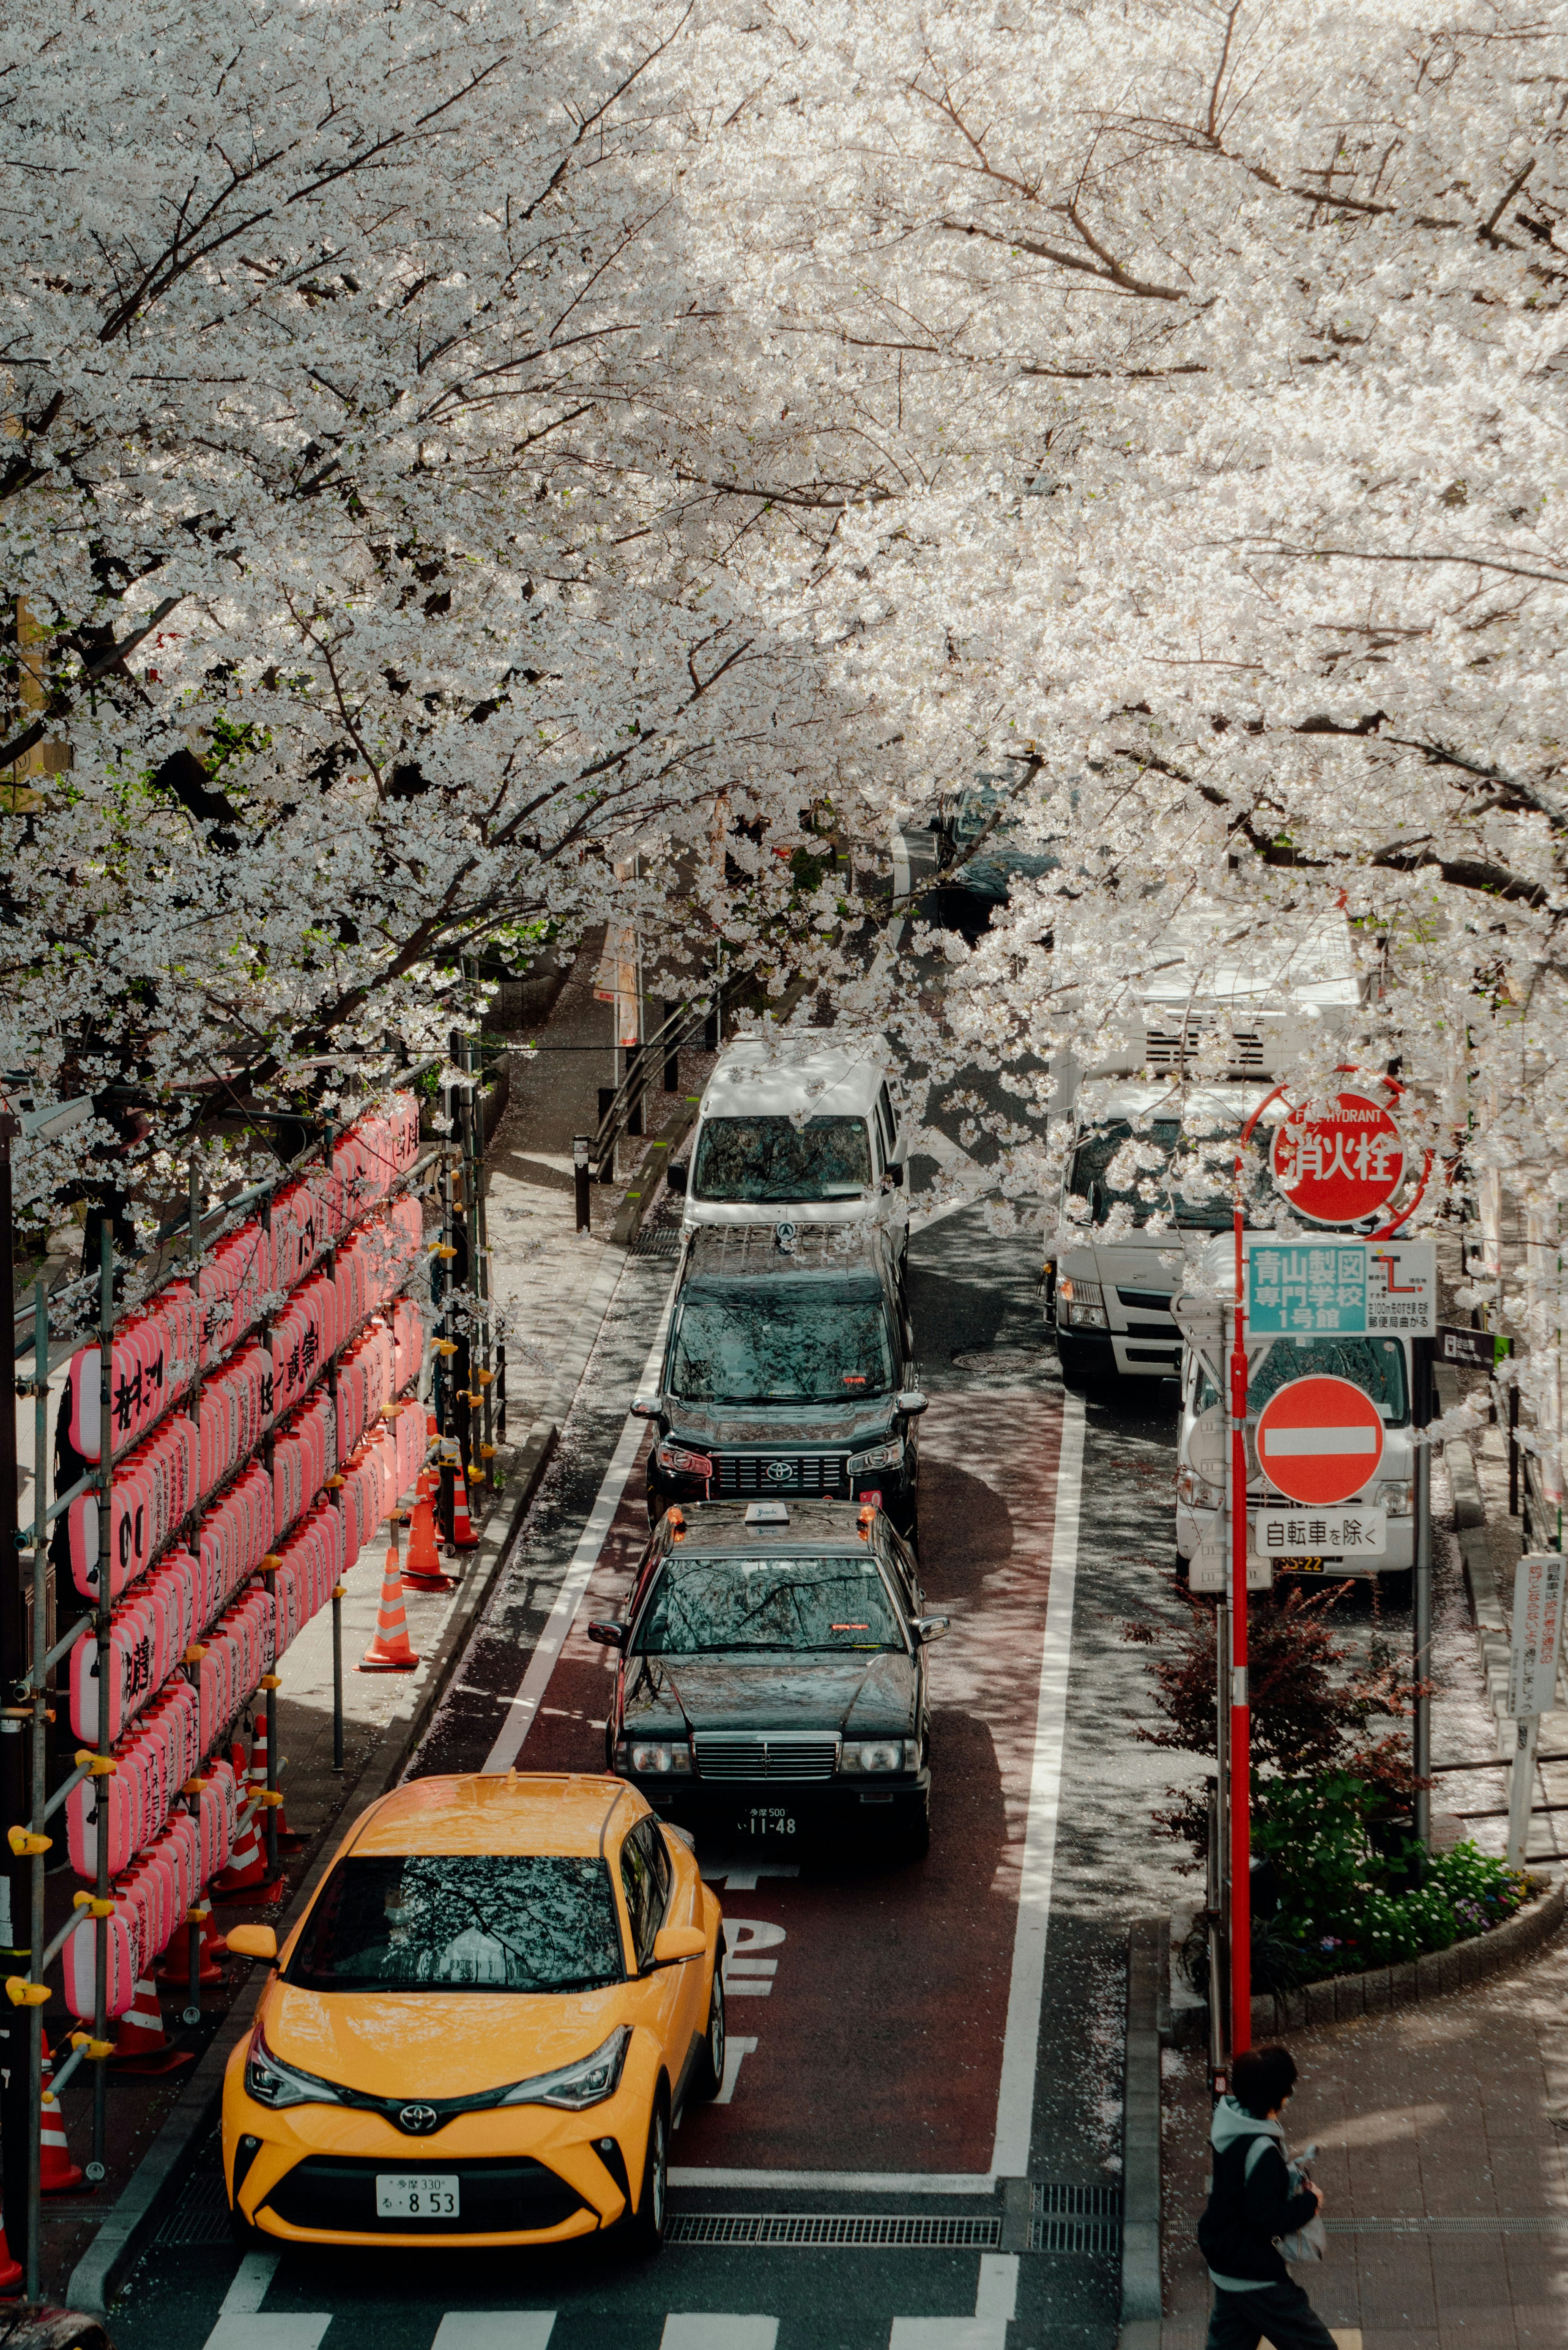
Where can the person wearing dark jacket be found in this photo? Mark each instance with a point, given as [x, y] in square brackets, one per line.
[1253, 2201]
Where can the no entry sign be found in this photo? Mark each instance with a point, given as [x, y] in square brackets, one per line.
[1320, 1440]
[1342, 1165]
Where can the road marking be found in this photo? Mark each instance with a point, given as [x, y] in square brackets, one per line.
[745, 1937]
[518, 1719]
[495, 2329]
[1021, 2044]
[849, 2182]
[240, 2328]
[733, 2051]
[252, 2278]
[684, 2331]
[994, 2303]
[744, 1876]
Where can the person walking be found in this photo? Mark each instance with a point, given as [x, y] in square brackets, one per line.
[1253, 2201]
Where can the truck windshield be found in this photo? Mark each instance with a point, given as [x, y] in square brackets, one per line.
[772, 1161]
[781, 1342]
[1376, 1366]
[1159, 1168]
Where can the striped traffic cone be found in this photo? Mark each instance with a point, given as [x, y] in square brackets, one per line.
[421, 1568]
[462, 1534]
[57, 2174]
[389, 1652]
[246, 1877]
[10, 2269]
[286, 1838]
[175, 1971]
[141, 2044]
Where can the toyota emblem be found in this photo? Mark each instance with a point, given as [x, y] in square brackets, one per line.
[418, 2118]
[781, 1472]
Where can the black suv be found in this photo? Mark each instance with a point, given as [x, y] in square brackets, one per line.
[772, 1676]
[789, 1372]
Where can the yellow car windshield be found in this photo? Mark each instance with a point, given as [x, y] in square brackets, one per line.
[472, 1922]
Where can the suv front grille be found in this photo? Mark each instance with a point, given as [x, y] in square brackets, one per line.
[783, 1473]
[767, 1758]
[494, 2198]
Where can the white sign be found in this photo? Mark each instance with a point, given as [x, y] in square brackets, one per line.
[1339, 1532]
[1537, 1642]
[1345, 1289]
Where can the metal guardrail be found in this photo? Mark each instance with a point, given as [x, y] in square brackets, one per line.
[623, 1111]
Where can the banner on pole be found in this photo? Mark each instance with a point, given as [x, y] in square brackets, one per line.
[1537, 1638]
[1341, 1288]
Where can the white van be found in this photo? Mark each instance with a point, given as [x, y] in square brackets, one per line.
[1109, 1292]
[803, 1128]
[1381, 1368]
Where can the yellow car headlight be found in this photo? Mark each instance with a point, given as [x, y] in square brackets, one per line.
[576, 2086]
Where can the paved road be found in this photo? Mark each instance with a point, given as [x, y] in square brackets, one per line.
[905, 2039]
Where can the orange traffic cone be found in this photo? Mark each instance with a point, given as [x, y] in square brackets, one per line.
[421, 1568]
[141, 2044]
[175, 1971]
[10, 2269]
[246, 1877]
[389, 1652]
[57, 2174]
[286, 1835]
[462, 1534]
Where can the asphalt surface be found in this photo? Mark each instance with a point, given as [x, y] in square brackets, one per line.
[928, 2031]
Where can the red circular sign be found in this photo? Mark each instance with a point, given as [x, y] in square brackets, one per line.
[1342, 1165]
[1320, 1440]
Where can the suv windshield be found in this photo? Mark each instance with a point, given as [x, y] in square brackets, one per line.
[461, 1922]
[1376, 1366]
[1188, 1177]
[772, 1160]
[703, 1604]
[781, 1342]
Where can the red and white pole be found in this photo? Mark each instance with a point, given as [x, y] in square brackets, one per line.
[1241, 1716]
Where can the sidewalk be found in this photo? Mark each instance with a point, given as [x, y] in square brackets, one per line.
[1442, 2129]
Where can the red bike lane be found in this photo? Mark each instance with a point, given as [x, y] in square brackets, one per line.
[868, 2004]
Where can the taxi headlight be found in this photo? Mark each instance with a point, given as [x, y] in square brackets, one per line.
[588, 2083]
[873, 1754]
[657, 1755]
[883, 1456]
[274, 2084]
[681, 1462]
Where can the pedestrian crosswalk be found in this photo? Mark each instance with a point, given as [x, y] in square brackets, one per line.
[243, 2324]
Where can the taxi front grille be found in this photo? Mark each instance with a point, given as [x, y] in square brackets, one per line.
[782, 1472]
[772, 1758]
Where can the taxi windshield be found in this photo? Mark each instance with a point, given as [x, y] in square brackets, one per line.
[772, 1161]
[701, 1606]
[814, 1341]
[1156, 1166]
[1375, 1365]
[461, 1921]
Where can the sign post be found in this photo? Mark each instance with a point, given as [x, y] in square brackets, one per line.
[1533, 1653]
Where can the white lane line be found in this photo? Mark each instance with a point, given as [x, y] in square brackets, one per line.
[1021, 2044]
[518, 1719]
[994, 2303]
[495, 2329]
[252, 2278]
[849, 2182]
[249, 2333]
[697, 2331]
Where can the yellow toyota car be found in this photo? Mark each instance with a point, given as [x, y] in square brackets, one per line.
[484, 2026]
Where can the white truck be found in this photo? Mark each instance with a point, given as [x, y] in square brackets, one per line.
[1297, 1540]
[1153, 1145]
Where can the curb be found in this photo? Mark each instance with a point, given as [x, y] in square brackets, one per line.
[158, 2177]
[1416, 1983]
[1148, 1941]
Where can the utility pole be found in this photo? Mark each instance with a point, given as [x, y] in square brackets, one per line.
[1421, 1654]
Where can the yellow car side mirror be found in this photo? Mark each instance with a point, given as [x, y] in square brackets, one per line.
[673, 1943]
[253, 1942]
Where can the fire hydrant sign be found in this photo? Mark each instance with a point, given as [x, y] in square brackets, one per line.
[1320, 1440]
[1342, 1289]
[1342, 1165]
[1537, 1641]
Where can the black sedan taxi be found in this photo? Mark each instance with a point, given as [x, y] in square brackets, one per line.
[773, 1674]
[789, 1372]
